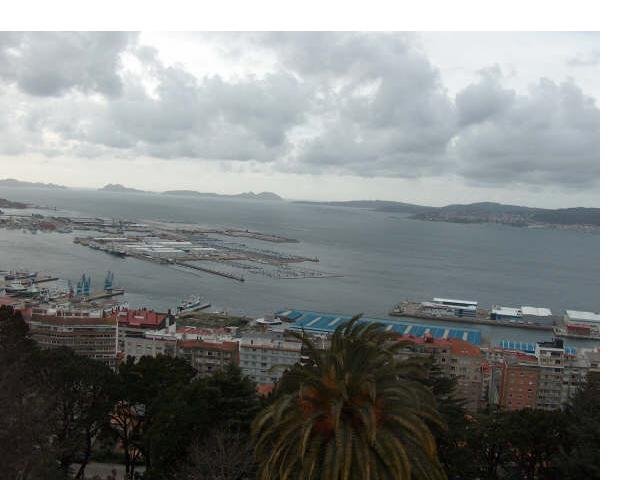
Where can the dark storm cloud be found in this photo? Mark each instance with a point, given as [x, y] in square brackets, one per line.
[50, 63]
[550, 136]
[363, 104]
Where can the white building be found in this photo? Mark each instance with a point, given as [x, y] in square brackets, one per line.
[149, 346]
[264, 359]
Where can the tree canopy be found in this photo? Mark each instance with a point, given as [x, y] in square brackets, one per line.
[346, 414]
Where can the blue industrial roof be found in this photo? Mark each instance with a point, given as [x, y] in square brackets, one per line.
[328, 322]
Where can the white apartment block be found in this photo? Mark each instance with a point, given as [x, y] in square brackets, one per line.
[264, 359]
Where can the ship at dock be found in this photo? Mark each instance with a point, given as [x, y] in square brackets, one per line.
[192, 303]
[20, 290]
[573, 324]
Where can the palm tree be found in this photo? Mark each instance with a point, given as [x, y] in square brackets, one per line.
[350, 412]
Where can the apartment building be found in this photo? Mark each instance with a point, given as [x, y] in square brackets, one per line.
[546, 379]
[92, 336]
[265, 358]
[550, 357]
[458, 359]
[207, 357]
[520, 381]
[149, 346]
[206, 349]
[133, 323]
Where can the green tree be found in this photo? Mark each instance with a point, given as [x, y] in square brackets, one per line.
[579, 456]
[140, 391]
[223, 454]
[27, 451]
[489, 440]
[534, 438]
[226, 400]
[80, 392]
[347, 413]
[15, 342]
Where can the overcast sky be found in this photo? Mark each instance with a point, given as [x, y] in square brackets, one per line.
[430, 118]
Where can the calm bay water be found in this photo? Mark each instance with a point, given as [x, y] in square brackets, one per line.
[384, 258]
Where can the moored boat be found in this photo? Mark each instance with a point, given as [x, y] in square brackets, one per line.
[192, 303]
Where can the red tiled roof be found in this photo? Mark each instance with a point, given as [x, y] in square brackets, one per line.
[140, 318]
[460, 347]
[264, 389]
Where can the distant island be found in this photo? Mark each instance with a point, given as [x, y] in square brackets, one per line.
[246, 195]
[484, 212]
[12, 182]
[116, 187]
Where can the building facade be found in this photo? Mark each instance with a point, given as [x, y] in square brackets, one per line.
[264, 359]
[133, 323]
[545, 380]
[93, 337]
[207, 357]
[519, 385]
[459, 359]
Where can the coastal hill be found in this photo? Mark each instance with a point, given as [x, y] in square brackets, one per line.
[482, 212]
[4, 203]
[12, 182]
[246, 195]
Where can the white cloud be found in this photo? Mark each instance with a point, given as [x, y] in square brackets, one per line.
[364, 105]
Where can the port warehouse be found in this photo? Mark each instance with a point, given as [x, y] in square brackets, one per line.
[315, 322]
[461, 308]
[528, 347]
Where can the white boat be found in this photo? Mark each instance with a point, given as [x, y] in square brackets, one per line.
[15, 287]
[268, 321]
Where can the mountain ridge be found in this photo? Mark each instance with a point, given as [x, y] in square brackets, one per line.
[481, 212]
